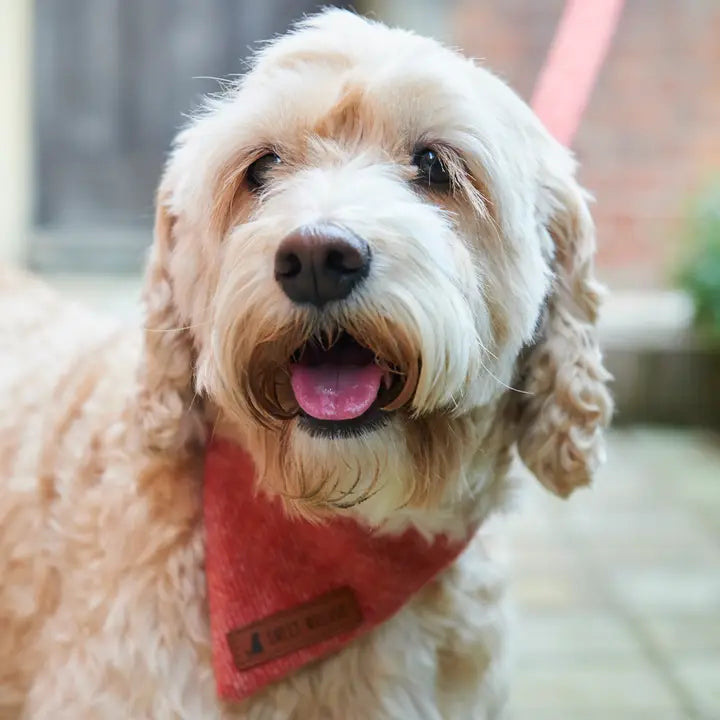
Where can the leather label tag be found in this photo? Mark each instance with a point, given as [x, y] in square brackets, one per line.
[322, 618]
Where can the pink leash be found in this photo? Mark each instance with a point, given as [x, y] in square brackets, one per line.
[571, 68]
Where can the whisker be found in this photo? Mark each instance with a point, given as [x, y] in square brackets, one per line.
[345, 494]
[362, 499]
[495, 377]
[214, 428]
[180, 328]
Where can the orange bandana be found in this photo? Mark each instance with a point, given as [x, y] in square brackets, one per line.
[284, 592]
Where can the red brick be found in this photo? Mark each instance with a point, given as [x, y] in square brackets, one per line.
[650, 139]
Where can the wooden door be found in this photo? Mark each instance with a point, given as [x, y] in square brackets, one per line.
[112, 80]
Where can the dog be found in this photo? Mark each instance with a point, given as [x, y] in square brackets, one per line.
[372, 278]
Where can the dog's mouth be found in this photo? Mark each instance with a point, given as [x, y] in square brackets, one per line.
[342, 388]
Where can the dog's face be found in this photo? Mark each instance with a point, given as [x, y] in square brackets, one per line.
[363, 238]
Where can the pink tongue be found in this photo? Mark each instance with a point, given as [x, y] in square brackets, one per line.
[335, 392]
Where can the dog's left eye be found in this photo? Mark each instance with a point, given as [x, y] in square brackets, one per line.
[431, 169]
[257, 173]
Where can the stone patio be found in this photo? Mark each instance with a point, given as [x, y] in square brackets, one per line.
[617, 591]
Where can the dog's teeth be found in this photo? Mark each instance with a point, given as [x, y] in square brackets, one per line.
[387, 380]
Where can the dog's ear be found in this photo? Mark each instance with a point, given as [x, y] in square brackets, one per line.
[164, 404]
[562, 417]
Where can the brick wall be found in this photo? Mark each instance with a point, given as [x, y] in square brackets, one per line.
[650, 138]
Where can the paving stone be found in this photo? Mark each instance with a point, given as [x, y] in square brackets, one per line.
[621, 585]
[575, 637]
[563, 713]
[665, 588]
[551, 589]
[681, 634]
[700, 675]
[619, 688]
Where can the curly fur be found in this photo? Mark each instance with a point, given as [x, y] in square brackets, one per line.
[482, 298]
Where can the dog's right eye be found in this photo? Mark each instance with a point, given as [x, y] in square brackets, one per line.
[258, 172]
[431, 169]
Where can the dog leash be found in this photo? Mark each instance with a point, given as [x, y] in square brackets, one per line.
[573, 63]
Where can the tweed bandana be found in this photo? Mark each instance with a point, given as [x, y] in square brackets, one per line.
[284, 592]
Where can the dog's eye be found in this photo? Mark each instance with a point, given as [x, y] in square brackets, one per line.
[430, 168]
[257, 173]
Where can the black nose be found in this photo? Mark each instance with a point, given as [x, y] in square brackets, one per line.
[318, 263]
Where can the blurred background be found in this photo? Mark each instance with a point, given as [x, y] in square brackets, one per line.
[618, 590]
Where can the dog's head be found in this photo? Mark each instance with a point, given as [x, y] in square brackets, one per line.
[375, 266]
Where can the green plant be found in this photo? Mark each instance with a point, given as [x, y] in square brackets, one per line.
[701, 275]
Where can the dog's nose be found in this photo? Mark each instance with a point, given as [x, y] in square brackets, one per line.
[319, 263]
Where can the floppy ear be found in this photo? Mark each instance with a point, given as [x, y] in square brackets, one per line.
[567, 406]
[164, 409]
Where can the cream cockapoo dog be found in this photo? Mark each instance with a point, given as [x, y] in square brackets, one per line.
[372, 270]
